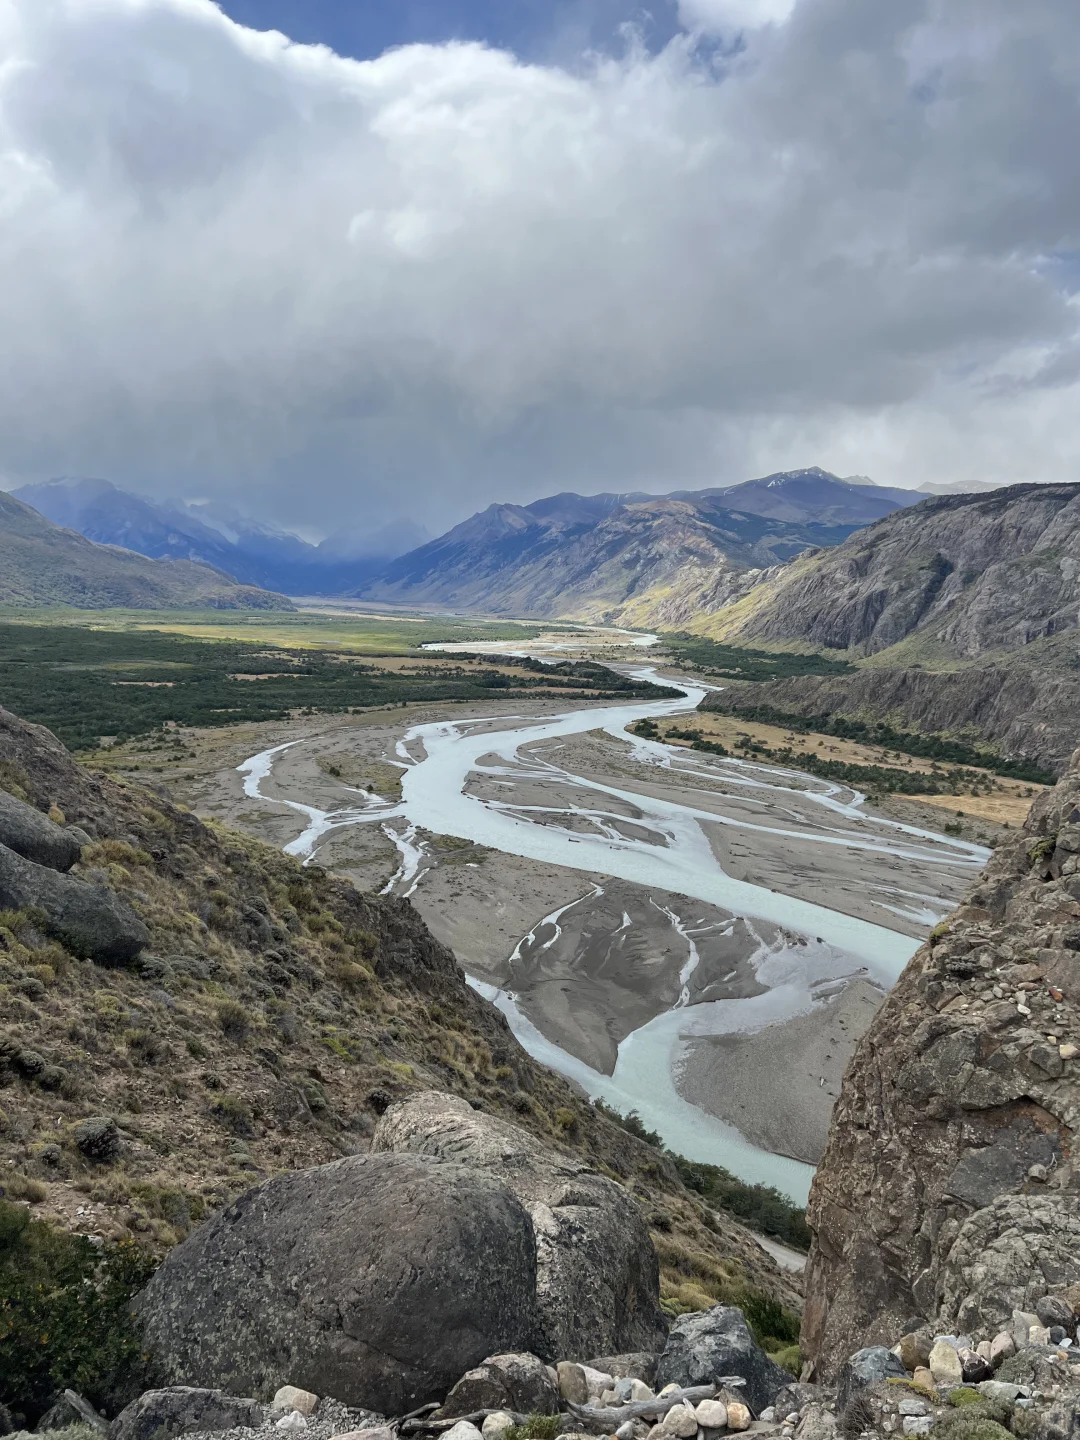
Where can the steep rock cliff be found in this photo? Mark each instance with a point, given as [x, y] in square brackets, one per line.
[948, 1190]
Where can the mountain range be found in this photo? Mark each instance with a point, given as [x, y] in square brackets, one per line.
[960, 615]
[44, 564]
[588, 557]
[218, 535]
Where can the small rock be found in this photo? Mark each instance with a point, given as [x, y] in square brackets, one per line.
[496, 1425]
[866, 1367]
[1068, 1051]
[983, 1349]
[625, 1431]
[918, 1424]
[738, 1417]
[923, 1377]
[1020, 1326]
[945, 1364]
[914, 1349]
[712, 1414]
[292, 1423]
[974, 1367]
[596, 1381]
[1000, 1390]
[792, 1418]
[1002, 1347]
[1052, 1310]
[1059, 1335]
[1039, 1335]
[637, 1365]
[376, 1432]
[767, 1416]
[573, 1385]
[669, 1388]
[1038, 1173]
[680, 1420]
[913, 1405]
[640, 1391]
[609, 1398]
[289, 1397]
[463, 1430]
[623, 1388]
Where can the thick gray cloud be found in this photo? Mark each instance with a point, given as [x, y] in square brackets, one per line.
[326, 288]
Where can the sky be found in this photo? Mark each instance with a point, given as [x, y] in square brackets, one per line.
[342, 263]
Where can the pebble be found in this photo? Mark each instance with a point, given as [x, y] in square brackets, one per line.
[711, 1414]
[463, 1430]
[738, 1417]
[768, 1415]
[290, 1397]
[680, 1420]
[496, 1424]
[1068, 1052]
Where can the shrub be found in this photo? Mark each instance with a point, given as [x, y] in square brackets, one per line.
[565, 1120]
[234, 1020]
[536, 1427]
[65, 1316]
[773, 1326]
[789, 1359]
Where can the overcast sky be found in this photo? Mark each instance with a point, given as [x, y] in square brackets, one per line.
[547, 254]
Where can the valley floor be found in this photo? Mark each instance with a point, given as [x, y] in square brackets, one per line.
[702, 940]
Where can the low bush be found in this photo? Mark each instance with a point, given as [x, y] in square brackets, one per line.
[65, 1316]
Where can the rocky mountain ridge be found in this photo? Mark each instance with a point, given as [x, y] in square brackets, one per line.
[42, 564]
[588, 557]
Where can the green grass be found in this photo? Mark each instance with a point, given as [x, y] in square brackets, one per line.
[85, 683]
[357, 634]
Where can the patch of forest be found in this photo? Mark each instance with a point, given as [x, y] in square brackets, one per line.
[87, 683]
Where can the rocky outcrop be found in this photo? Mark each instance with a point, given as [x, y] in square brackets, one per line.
[596, 1271]
[34, 836]
[91, 920]
[712, 1345]
[948, 1190]
[1022, 710]
[377, 1279]
[977, 573]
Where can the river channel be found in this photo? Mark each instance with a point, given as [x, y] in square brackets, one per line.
[667, 848]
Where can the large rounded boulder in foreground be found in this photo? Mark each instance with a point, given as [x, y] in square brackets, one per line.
[597, 1275]
[377, 1279]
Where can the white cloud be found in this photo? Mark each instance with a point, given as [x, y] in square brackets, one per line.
[443, 276]
[720, 17]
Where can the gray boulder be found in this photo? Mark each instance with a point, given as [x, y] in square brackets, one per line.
[709, 1344]
[867, 1367]
[180, 1409]
[597, 1276]
[504, 1382]
[90, 920]
[377, 1280]
[33, 835]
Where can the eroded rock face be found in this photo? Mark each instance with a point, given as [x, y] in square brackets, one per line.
[378, 1279]
[91, 920]
[948, 1194]
[597, 1273]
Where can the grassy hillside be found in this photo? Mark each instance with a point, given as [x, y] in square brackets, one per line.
[42, 564]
